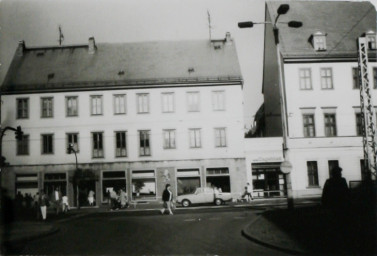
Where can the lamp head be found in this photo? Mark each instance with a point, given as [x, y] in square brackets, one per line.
[295, 24]
[246, 24]
[283, 9]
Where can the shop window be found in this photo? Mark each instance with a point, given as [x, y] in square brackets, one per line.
[219, 178]
[143, 185]
[187, 181]
[54, 181]
[112, 181]
[268, 181]
[27, 184]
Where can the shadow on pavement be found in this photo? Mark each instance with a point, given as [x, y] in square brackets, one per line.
[323, 231]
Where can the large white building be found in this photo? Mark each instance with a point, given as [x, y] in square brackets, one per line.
[321, 87]
[140, 115]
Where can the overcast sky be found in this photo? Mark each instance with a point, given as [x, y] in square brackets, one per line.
[37, 21]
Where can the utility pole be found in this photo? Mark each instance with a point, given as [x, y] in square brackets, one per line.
[367, 111]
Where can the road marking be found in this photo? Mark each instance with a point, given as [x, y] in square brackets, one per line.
[189, 220]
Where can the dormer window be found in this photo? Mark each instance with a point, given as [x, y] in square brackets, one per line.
[319, 41]
[371, 40]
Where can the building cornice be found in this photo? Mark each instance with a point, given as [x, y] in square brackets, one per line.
[322, 59]
[118, 85]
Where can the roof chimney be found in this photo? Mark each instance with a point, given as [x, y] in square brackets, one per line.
[21, 48]
[92, 46]
[228, 39]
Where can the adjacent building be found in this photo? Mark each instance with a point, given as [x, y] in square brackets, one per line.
[321, 87]
[139, 116]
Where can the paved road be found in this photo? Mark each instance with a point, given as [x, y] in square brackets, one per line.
[214, 232]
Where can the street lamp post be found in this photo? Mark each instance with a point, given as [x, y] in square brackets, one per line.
[286, 166]
[70, 150]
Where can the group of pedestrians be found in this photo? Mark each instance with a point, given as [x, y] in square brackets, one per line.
[118, 200]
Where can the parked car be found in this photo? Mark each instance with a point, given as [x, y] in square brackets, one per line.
[204, 196]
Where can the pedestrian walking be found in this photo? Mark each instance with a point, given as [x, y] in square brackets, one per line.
[248, 193]
[123, 199]
[36, 206]
[57, 200]
[43, 204]
[167, 197]
[65, 203]
[91, 197]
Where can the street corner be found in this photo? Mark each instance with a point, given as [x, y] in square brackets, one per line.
[266, 233]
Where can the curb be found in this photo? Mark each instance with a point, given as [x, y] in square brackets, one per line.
[269, 245]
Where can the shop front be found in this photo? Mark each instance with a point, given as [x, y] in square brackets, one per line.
[268, 180]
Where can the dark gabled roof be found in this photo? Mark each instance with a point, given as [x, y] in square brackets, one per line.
[122, 64]
[342, 21]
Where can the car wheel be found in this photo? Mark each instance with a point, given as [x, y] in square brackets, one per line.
[186, 203]
[218, 201]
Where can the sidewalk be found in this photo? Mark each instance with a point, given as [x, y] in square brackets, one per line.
[313, 230]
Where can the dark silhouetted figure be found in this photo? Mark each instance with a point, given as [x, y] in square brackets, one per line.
[335, 192]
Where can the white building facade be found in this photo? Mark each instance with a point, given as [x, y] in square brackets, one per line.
[322, 90]
[137, 129]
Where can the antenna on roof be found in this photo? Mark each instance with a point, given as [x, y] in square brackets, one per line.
[61, 36]
[209, 25]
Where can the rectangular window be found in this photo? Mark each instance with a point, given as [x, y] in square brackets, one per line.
[374, 78]
[312, 173]
[169, 139]
[167, 102]
[218, 100]
[47, 143]
[220, 137]
[359, 124]
[326, 78]
[119, 104]
[355, 78]
[23, 145]
[188, 180]
[332, 165]
[305, 79]
[330, 125]
[195, 138]
[97, 145]
[96, 104]
[193, 101]
[121, 144]
[72, 105]
[112, 181]
[143, 185]
[143, 103]
[309, 126]
[145, 149]
[23, 108]
[73, 138]
[47, 107]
